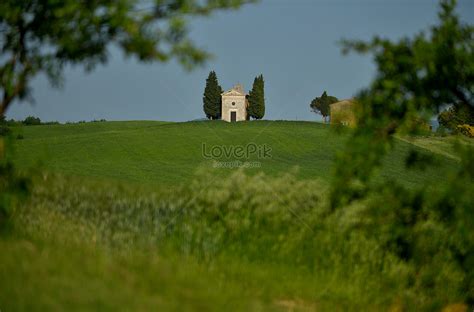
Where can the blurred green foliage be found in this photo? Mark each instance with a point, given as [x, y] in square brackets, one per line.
[41, 37]
[467, 130]
[257, 240]
[14, 188]
[4, 130]
[430, 226]
[253, 239]
[456, 116]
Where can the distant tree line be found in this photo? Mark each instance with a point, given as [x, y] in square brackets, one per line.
[36, 121]
[28, 121]
[212, 98]
[31, 121]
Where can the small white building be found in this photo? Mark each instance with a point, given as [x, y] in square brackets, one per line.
[234, 104]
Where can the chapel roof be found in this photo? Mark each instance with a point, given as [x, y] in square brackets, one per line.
[238, 89]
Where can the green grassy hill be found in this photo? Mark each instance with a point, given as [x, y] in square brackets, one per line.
[171, 153]
[124, 217]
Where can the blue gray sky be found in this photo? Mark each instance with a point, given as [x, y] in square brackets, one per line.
[293, 43]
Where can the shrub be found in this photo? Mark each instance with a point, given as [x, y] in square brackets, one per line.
[13, 122]
[278, 221]
[31, 120]
[442, 131]
[466, 130]
[4, 130]
[456, 116]
[13, 187]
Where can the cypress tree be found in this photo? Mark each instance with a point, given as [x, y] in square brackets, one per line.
[261, 107]
[212, 97]
[252, 99]
[324, 105]
[256, 107]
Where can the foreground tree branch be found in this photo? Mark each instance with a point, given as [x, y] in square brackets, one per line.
[43, 36]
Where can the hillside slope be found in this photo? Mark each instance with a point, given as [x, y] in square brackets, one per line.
[170, 153]
[227, 239]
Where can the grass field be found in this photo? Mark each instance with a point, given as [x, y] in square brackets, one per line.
[170, 153]
[131, 216]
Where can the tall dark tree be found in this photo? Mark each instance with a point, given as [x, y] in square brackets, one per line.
[321, 105]
[256, 107]
[252, 98]
[212, 97]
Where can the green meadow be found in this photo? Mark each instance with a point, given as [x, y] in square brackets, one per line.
[165, 153]
[132, 216]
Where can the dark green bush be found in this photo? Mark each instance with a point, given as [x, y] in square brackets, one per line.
[32, 121]
[13, 187]
[4, 130]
